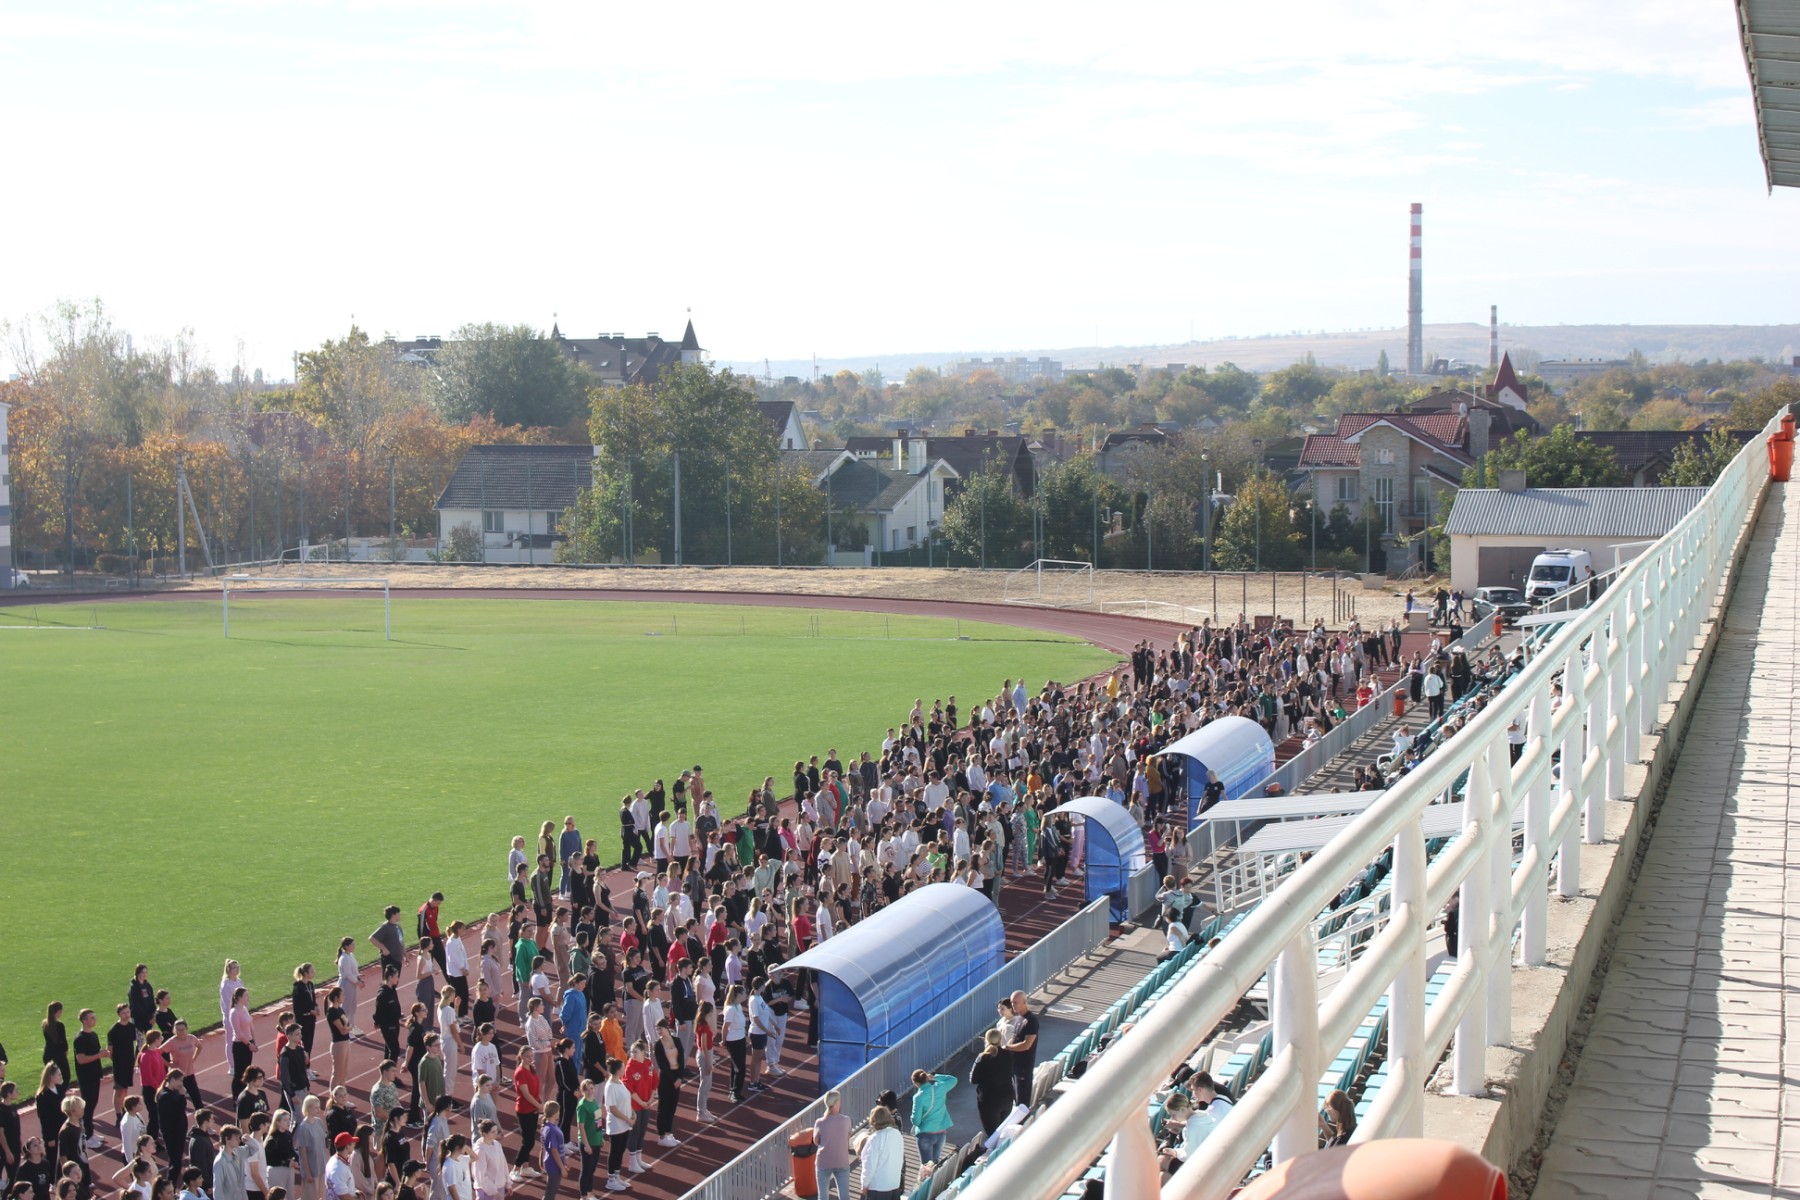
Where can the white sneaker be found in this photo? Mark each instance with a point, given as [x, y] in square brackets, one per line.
[636, 1167]
[514, 1176]
[94, 1142]
[615, 1184]
[706, 1116]
[667, 1139]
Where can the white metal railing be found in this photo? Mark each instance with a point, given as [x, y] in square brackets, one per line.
[765, 1167]
[1614, 662]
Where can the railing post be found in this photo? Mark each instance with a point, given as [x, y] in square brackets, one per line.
[1469, 1054]
[1296, 1013]
[1638, 670]
[1619, 746]
[1574, 754]
[1406, 996]
[1496, 949]
[1537, 837]
[1135, 1173]
[1593, 795]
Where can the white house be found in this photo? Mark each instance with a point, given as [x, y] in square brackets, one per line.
[901, 495]
[784, 421]
[514, 496]
[1496, 532]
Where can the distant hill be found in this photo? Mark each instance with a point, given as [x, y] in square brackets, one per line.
[1356, 350]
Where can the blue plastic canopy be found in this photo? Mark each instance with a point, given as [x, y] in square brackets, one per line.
[1236, 749]
[882, 978]
[1115, 850]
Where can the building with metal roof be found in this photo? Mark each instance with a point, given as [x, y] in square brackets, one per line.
[1770, 33]
[1496, 532]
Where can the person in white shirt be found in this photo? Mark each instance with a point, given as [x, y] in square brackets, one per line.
[348, 973]
[883, 1157]
[340, 1180]
[484, 1057]
[616, 1100]
[490, 1168]
[456, 1168]
[653, 1011]
[456, 961]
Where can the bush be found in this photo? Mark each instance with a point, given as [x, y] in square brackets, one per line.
[463, 545]
[112, 564]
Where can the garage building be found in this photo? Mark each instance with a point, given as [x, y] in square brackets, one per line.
[1496, 532]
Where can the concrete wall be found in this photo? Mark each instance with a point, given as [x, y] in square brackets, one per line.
[1546, 1001]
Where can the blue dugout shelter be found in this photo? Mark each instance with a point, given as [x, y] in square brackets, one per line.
[882, 978]
[1115, 851]
[1236, 749]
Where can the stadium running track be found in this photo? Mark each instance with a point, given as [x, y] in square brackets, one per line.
[704, 1149]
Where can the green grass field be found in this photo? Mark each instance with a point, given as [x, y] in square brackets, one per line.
[177, 798]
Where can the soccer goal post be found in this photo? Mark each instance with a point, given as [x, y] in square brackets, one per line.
[300, 583]
[1053, 582]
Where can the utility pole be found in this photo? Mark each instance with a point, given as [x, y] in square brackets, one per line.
[677, 480]
[180, 518]
[530, 516]
[778, 508]
[391, 548]
[131, 528]
[728, 516]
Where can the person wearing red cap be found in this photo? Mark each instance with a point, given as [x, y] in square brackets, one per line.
[340, 1180]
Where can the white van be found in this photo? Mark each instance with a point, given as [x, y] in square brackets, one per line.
[1554, 570]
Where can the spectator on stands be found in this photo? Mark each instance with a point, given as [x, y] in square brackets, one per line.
[882, 1153]
[931, 1113]
[831, 1136]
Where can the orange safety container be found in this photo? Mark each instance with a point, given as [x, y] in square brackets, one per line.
[1781, 457]
[1787, 426]
[1399, 702]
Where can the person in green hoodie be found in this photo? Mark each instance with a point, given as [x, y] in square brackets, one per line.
[931, 1113]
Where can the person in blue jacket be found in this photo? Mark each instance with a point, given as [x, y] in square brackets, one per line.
[931, 1113]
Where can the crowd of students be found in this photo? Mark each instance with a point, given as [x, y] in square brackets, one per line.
[599, 1016]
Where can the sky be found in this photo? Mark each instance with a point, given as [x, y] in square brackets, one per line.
[846, 179]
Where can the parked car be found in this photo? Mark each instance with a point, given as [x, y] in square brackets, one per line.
[1510, 602]
[19, 579]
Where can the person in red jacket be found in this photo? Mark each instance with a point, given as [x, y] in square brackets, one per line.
[528, 1099]
[641, 1077]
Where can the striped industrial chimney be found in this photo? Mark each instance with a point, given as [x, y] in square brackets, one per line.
[1493, 337]
[1415, 304]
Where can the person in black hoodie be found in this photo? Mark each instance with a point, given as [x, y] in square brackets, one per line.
[306, 1005]
[172, 1119]
[11, 1145]
[201, 1149]
[388, 1012]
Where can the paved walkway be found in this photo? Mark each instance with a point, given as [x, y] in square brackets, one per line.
[1689, 1085]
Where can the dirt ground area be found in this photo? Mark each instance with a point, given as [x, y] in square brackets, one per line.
[1175, 596]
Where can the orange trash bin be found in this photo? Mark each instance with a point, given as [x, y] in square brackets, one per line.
[803, 1155]
[1400, 702]
[1781, 457]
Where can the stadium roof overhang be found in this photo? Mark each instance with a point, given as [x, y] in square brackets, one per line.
[1770, 32]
